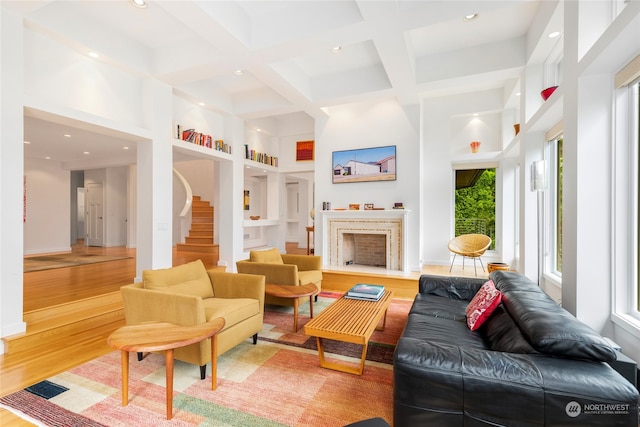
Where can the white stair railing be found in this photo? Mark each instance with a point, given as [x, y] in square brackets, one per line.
[185, 223]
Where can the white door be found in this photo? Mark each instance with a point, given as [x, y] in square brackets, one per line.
[94, 216]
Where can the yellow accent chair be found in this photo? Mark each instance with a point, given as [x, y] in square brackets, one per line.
[283, 269]
[469, 246]
[188, 295]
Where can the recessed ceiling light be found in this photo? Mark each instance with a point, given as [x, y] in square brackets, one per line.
[475, 114]
[517, 93]
[93, 55]
[125, 148]
[86, 153]
[48, 158]
[139, 3]
[336, 49]
[239, 72]
[67, 135]
[554, 34]
[471, 17]
[201, 104]
[27, 142]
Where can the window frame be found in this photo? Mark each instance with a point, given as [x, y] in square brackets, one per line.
[625, 209]
[552, 215]
[496, 249]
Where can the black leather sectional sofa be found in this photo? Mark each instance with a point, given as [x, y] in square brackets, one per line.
[530, 364]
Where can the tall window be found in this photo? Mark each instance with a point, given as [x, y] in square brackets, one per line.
[633, 153]
[555, 211]
[475, 202]
[635, 168]
[626, 195]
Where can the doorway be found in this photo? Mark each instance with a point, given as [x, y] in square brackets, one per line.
[94, 218]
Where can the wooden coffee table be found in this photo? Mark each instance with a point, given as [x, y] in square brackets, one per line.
[295, 292]
[349, 320]
[165, 337]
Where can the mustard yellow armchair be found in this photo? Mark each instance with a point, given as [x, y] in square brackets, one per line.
[189, 295]
[283, 269]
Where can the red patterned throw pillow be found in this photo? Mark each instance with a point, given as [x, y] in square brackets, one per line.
[482, 305]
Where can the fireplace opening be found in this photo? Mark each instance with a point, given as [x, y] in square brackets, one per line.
[365, 249]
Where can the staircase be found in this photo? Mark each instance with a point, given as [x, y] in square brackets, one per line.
[200, 238]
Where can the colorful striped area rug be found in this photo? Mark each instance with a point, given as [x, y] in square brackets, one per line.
[277, 382]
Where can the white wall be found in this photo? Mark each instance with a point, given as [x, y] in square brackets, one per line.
[114, 183]
[116, 206]
[59, 75]
[47, 226]
[363, 125]
[448, 128]
[287, 159]
[189, 115]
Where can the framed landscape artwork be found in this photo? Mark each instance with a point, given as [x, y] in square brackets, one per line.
[364, 165]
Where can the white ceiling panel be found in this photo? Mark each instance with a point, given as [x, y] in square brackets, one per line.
[390, 48]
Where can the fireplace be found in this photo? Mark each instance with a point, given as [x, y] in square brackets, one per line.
[373, 238]
[365, 249]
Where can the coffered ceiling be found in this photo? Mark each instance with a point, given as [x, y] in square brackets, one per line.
[406, 50]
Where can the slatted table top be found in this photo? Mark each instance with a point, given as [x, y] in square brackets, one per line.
[349, 320]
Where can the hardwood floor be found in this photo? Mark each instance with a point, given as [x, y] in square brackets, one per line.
[49, 288]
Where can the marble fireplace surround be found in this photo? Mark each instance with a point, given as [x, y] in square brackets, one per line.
[392, 223]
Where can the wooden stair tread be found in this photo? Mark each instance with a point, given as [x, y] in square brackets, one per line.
[195, 247]
[79, 318]
[200, 238]
[62, 313]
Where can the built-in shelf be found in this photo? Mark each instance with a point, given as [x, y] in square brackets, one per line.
[549, 113]
[260, 222]
[201, 151]
[260, 157]
[261, 166]
[477, 157]
[612, 44]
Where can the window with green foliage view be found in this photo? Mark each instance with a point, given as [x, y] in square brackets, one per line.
[475, 202]
[558, 206]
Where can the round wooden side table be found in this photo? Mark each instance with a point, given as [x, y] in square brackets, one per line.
[295, 292]
[165, 337]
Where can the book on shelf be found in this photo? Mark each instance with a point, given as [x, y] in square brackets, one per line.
[204, 140]
[259, 157]
[366, 292]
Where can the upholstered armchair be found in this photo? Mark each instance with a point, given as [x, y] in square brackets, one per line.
[189, 295]
[283, 269]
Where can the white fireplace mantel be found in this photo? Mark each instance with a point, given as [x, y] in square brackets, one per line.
[391, 222]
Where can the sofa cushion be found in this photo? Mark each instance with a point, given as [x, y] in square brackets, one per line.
[503, 334]
[233, 310]
[446, 308]
[549, 328]
[189, 279]
[463, 288]
[269, 256]
[444, 331]
[482, 305]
